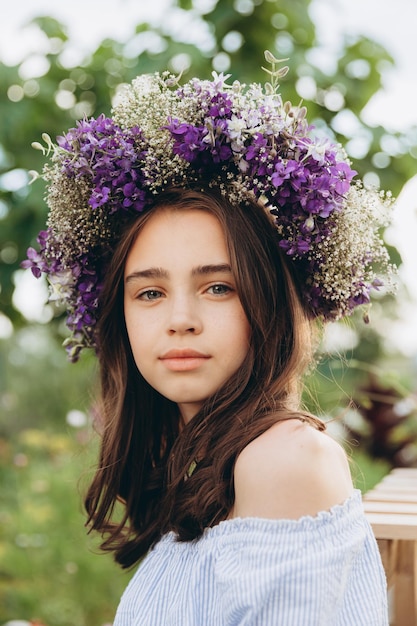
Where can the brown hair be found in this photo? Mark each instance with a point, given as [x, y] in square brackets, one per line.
[145, 459]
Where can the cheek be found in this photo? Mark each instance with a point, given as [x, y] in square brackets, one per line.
[135, 335]
[138, 325]
[238, 335]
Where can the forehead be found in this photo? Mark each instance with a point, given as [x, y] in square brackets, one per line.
[190, 236]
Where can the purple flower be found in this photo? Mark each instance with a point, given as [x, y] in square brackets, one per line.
[290, 170]
[110, 157]
[34, 262]
[299, 247]
[360, 298]
[99, 196]
[220, 152]
[188, 139]
[220, 105]
[343, 175]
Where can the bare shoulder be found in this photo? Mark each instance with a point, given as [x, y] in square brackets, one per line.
[289, 471]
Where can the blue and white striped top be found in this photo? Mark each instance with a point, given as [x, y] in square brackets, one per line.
[315, 571]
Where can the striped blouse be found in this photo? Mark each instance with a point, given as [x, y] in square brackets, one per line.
[316, 571]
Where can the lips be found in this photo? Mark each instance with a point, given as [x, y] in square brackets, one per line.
[183, 359]
[184, 353]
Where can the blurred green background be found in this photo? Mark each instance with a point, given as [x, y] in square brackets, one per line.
[50, 572]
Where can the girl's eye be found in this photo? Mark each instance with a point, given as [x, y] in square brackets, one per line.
[150, 294]
[219, 290]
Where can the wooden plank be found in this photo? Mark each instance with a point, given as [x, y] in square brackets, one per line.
[410, 483]
[411, 488]
[405, 586]
[391, 509]
[392, 526]
[406, 483]
[403, 471]
[405, 508]
[389, 550]
[389, 496]
[398, 479]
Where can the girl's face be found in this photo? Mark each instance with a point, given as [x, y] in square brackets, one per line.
[185, 322]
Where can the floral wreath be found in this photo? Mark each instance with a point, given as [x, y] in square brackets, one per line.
[244, 141]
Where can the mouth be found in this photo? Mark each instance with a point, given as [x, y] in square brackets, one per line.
[182, 360]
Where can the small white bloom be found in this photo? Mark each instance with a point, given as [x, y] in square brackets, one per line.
[318, 150]
[256, 92]
[253, 118]
[235, 126]
[61, 284]
[309, 223]
[219, 80]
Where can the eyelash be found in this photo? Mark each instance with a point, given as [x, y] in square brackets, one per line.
[225, 289]
[145, 295]
[219, 289]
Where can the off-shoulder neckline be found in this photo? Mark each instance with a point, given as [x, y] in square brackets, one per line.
[348, 512]
[351, 503]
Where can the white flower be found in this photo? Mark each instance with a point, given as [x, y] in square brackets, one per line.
[235, 126]
[219, 80]
[309, 224]
[253, 118]
[61, 285]
[317, 150]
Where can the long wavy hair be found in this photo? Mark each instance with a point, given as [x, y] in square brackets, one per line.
[155, 474]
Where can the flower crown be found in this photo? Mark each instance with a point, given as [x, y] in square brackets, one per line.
[241, 140]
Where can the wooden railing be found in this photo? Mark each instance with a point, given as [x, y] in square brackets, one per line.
[391, 508]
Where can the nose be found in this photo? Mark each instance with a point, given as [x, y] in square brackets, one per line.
[184, 316]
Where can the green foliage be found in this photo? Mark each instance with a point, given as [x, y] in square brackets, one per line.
[50, 570]
[38, 386]
[366, 471]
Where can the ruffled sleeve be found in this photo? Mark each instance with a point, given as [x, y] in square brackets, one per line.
[323, 571]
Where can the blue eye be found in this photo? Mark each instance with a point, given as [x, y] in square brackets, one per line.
[219, 289]
[150, 294]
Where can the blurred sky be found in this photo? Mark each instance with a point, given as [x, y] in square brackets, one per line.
[392, 24]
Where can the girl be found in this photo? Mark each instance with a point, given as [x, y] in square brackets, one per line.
[197, 238]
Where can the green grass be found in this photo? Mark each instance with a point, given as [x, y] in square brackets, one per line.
[49, 569]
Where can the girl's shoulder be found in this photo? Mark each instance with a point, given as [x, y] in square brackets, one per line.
[290, 471]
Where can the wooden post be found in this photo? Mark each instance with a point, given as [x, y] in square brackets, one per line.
[405, 585]
[391, 508]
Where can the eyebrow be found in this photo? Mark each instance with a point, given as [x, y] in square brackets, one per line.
[152, 272]
[200, 270]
